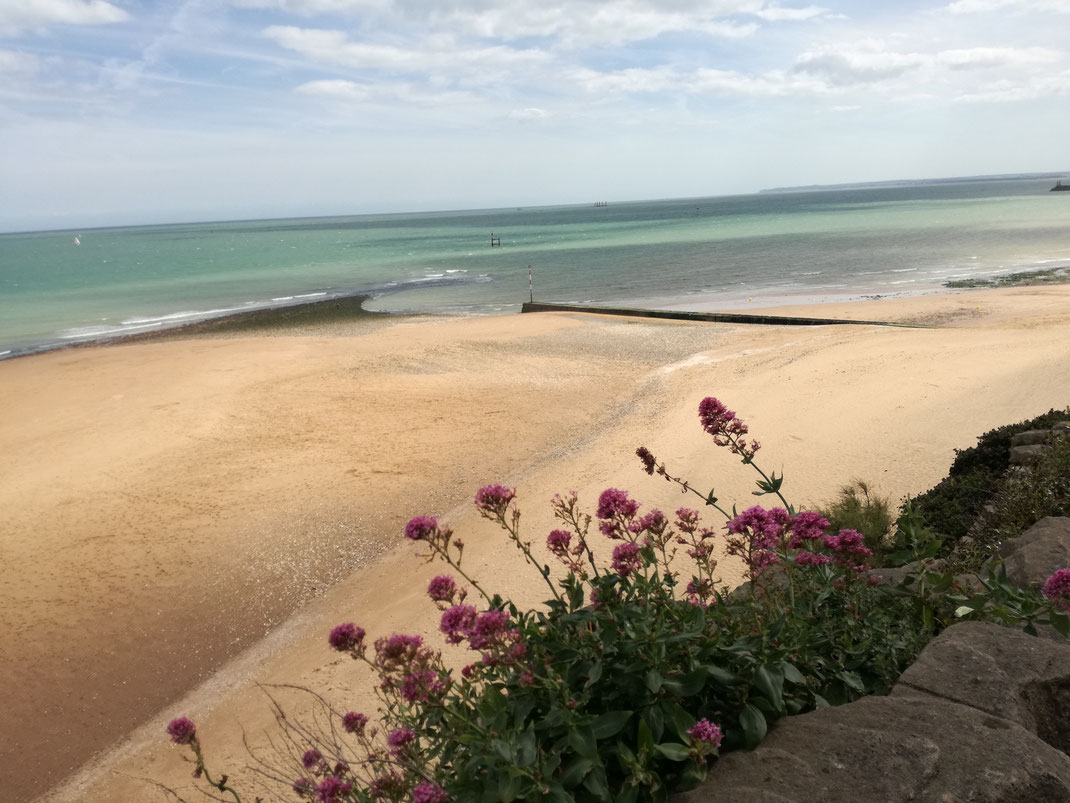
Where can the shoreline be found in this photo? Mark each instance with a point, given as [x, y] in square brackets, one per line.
[326, 311]
[193, 495]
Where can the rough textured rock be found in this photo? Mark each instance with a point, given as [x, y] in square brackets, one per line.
[1031, 438]
[1027, 455]
[1000, 671]
[892, 749]
[1031, 558]
[983, 717]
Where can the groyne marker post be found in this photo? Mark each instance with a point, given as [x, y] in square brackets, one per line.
[531, 287]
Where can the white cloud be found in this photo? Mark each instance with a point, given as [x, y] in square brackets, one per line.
[781, 14]
[984, 57]
[13, 63]
[336, 89]
[20, 15]
[530, 113]
[1018, 6]
[438, 54]
[846, 67]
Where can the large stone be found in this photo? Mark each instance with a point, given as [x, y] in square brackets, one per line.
[892, 749]
[1027, 455]
[1037, 553]
[1031, 438]
[983, 716]
[1000, 671]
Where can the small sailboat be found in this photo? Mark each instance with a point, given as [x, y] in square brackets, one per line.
[76, 240]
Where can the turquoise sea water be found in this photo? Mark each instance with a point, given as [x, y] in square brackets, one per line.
[708, 252]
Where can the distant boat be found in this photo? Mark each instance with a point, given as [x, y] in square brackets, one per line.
[79, 242]
[606, 203]
[1060, 187]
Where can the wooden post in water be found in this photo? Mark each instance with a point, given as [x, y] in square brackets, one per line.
[531, 288]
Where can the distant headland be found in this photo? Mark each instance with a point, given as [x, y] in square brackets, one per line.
[915, 182]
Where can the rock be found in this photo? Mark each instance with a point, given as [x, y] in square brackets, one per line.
[892, 749]
[1027, 455]
[1036, 554]
[1031, 438]
[983, 716]
[1001, 671]
[1062, 426]
[894, 575]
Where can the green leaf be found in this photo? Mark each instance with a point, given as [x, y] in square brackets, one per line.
[654, 680]
[852, 681]
[752, 721]
[597, 784]
[508, 786]
[682, 720]
[610, 724]
[594, 675]
[527, 747]
[691, 776]
[1061, 624]
[629, 794]
[646, 738]
[674, 751]
[771, 684]
[722, 676]
[576, 771]
[687, 685]
[656, 720]
[792, 673]
[503, 750]
[583, 741]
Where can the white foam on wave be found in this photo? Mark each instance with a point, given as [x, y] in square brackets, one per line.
[89, 332]
[186, 315]
[903, 270]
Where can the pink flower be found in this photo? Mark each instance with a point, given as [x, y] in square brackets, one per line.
[613, 502]
[726, 428]
[626, 559]
[182, 730]
[354, 723]
[614, 507]
[442, 588]
[421, 528]
[812, 559]
[423, 686]
[705, 732]
[558, 542]
[806, 526]
[332, 789]
[493, 500]
[1057, 588]
[457, 623]
[427, 792]
[849, 548]
[400, 737]
[304, 787]
[347, 637]
[311, 758]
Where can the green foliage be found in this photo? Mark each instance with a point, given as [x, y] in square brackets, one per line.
[950, 508]
[1019, 500]
[627, 683]
[858, 508]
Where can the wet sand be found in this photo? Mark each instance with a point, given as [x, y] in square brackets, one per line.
[187, 517]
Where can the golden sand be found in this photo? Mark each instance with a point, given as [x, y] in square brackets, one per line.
[185, 519]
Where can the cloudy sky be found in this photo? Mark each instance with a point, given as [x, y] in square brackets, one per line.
[133, 111]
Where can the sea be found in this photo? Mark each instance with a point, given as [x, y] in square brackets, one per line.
[59, 288]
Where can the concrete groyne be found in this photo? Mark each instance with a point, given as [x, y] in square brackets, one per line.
[711, 317]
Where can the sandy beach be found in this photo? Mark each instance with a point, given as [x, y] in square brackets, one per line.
[185, 519]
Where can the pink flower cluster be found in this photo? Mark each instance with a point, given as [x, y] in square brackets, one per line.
[627, 559]
[427, 792]
[849, 550]
[182, 730]
[706, 733]
[755, 534]
[616, 511]
[559, 542]
[347, 638]
[726, 428]
[493, 500]
[1057, 588]
[332, 789]
[414, 671]
[491, 632]
[354, 723]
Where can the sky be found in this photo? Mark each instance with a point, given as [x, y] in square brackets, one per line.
[116, 112]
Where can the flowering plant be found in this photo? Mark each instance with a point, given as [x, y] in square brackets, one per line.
[637, 671]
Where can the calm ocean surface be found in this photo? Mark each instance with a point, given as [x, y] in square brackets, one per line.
[58, 288]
